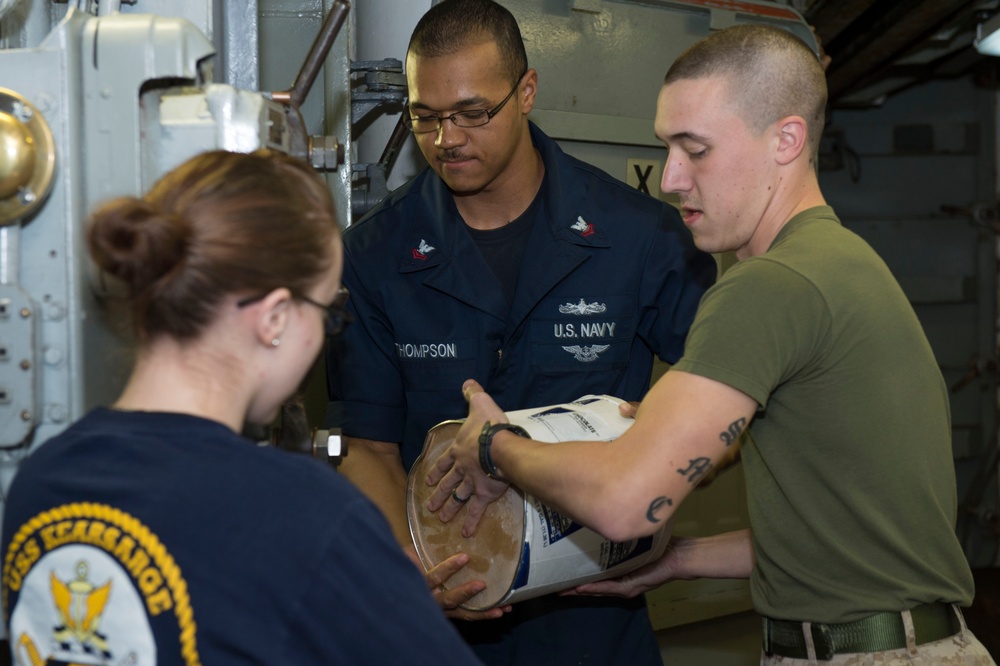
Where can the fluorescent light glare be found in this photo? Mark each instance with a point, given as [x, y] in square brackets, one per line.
[987, 39]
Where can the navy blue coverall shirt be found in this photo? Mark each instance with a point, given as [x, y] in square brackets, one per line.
[609, 278]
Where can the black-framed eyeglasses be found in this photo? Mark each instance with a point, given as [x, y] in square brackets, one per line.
[336, 319]
[471, 118]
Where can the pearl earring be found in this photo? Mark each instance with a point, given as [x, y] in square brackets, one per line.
[275, 342]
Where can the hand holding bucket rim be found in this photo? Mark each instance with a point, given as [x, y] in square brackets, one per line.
[450, 599]
[459, 465]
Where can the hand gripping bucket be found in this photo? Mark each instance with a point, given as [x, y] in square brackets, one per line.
[524, 549]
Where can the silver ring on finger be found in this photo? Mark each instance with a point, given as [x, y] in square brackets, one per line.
[460, 500]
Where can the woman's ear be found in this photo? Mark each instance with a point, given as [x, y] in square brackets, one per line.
[272, 314]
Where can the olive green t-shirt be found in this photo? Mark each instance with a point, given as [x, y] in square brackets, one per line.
[850, 476]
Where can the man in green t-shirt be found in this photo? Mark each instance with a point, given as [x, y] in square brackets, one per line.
[810, 344]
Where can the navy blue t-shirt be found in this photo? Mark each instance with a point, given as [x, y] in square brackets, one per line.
[141, 538]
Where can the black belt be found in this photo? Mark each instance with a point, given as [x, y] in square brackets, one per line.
[877, 633]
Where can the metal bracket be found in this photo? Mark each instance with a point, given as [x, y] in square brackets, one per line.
[384, 83]
[19, 399]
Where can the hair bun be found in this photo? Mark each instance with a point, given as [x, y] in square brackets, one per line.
[133, 241]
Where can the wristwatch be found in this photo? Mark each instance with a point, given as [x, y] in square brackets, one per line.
[486, 440]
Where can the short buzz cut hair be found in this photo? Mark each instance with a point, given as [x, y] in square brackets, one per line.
[771, 74]
[451, 25]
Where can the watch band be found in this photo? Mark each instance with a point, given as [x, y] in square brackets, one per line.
[486, 440]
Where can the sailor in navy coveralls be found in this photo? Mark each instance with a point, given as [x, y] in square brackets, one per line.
[512, 263]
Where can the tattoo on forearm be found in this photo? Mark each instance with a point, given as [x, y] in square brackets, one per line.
[697, 468]
[655, 506]
[732, 435]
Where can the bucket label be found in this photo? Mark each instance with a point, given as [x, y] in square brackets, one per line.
[565, 424]
[554, 526]
[614, 553]
[521, 577]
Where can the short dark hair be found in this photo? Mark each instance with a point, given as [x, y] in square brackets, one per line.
[771, 74]
[453, 24]
[221, 223]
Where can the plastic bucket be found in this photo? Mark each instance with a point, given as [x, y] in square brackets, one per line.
[524, 549]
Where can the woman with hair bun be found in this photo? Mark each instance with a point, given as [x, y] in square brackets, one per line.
[151, 531]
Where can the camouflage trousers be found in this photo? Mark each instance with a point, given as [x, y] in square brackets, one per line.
[962, 649]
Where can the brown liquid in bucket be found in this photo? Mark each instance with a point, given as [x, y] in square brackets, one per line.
[522, 549]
